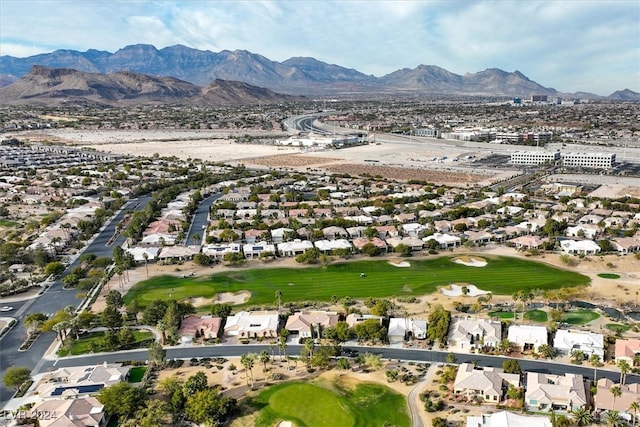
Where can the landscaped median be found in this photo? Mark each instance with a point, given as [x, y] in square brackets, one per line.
[501, 276]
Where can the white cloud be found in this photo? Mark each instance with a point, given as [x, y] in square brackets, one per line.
[569, 45]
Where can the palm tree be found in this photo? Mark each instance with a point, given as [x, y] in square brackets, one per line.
[625, 368]
[264, 358]
[146, 262]
[282, 346]
[248, 361]
[614, 420]
[309, 345]
[582, 416]
[616, 392]
[634, 407]
[279, 299]
[594, 360]
[577, 356]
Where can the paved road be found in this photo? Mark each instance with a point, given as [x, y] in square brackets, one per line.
[201, 218]
[52, 300]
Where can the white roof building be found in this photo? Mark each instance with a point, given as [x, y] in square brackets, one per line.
[445, 240]
[253, 250]
[331, 245]
[252, 324]
[465, 334]
[589, 343]
[295, 247]
[401, 328]
[580, 247]
[546, 392]
[508, 419]
[220, 250]
[528, 337]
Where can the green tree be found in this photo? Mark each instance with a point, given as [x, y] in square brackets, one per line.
[114, 298]
[595, 361]
[616, 392]
[54, 268]
[209, 407]
[157, 354]
[121, 399]
[581, 416]
[547, 351]
[438, 324]
[195, 383]
[511, 366]
[402, 250]
[111, 317]
[153, 414]
[15, 376]
[248, 361]
[625, 368]
[577, 357]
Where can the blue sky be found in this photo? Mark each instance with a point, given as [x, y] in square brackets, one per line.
[572, 45]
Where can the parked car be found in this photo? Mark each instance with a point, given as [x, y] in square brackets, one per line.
[6, 308]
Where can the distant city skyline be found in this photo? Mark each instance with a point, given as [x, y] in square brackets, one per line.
[581, 45]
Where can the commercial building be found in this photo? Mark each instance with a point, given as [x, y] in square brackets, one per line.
[589, 160]
[534, 157]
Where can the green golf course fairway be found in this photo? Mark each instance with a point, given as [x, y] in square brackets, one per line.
[502, 276]
[310, 405]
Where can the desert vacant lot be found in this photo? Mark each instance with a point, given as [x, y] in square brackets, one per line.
[501, 276]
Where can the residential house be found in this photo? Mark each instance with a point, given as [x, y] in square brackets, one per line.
[589, 343]
[412, 229]
[528, 337]
[355, 318]
[478, 237]
[333, 233]
[580, 247]
[467, 333]
[508, 419]
[526, 242]
[604, 400]
[294, 248]
[254, 250]
[488, 384]
[445, 241]
[278, 234]
[546, 392]
[403, 328]
[143, 254]
[328, 246]
[413, 242]
[158, 239]
[203, 326]
[310, 324]
[218, 251]
[76, 381]
[626, 245]
[182, 253]
[627, 349]
[588, 231]
[359, 242]
[258, 324]
[82, 412]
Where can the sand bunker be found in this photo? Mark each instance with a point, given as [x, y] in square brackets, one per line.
[470, 261]
[285, 424]
[232, 298]
[456, 291]
[399, 264]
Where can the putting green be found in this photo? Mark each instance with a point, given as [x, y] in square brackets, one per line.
[308, 404]
[501, 276]
[609, 275]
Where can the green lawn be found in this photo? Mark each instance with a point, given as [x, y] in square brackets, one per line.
[579, 317]
[502, 275]
[308, 404]
[536, 315]
[93, 342]
[7, 223]
[136, 374]
[501, 314]
[609, 275]
[617, 327]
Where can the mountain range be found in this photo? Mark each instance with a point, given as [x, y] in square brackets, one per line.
[295, 76]
[55, 86]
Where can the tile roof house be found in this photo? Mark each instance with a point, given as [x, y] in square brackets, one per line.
[589, 343]
[487, 383]
[205, 326]
[605, 401]
[82, 412]
[301, 323]
[627, 349]
[546, 392]
[465, 334]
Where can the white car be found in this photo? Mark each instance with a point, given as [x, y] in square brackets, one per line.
[6, 308]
